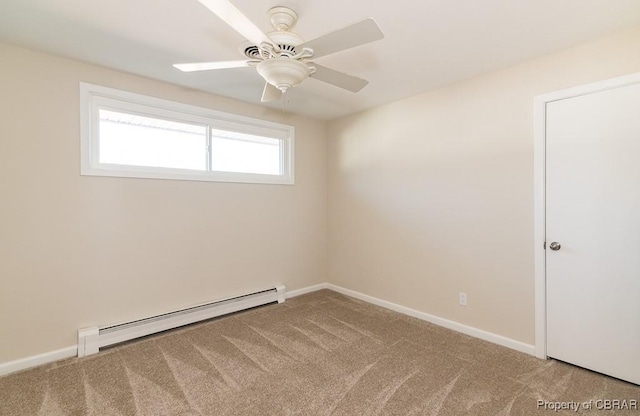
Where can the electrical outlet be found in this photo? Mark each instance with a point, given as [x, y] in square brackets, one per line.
[463, 299]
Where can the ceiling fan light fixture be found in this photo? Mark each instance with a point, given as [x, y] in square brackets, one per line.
[283, 73]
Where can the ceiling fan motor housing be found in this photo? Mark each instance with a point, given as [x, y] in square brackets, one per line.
[283, 69]
[286, 42]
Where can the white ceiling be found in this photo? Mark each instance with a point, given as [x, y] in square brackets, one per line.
[428, 43]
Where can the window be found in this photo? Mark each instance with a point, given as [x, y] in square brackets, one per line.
[131, 135]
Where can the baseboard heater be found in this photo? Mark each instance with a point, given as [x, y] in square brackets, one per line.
[90, 340]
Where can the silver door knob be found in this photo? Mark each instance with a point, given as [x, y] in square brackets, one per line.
[555, 246]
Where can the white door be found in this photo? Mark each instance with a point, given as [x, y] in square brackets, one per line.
[593, 213]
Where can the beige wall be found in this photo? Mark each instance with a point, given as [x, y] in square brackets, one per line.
[433, 195]
[78, 251]
[428, 196]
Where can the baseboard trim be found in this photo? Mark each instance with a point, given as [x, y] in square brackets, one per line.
[453, 325]
[305, 290]
[36, 360]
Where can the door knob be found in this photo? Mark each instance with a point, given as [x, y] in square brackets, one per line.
[555, 246]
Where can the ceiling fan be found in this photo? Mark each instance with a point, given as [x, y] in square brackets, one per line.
[282, 57]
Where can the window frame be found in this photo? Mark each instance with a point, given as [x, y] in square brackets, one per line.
[93, 98]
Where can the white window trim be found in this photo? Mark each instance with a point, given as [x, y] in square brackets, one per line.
[94, 97]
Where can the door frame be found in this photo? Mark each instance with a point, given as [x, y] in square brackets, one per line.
[539, 173]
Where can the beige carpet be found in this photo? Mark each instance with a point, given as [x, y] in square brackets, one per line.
[318, 354]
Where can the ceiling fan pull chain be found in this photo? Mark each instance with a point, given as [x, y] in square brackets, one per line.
[284, 104]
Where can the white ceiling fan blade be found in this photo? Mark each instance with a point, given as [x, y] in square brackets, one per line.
[205, 66]
[232, 16]
[348, 37]
[270, 93]
[339, 79]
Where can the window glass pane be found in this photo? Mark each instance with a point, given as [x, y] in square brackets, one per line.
[128, 139]
[245, 153]
[134, 136]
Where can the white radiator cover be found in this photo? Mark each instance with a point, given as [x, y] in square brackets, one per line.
[91, 339]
